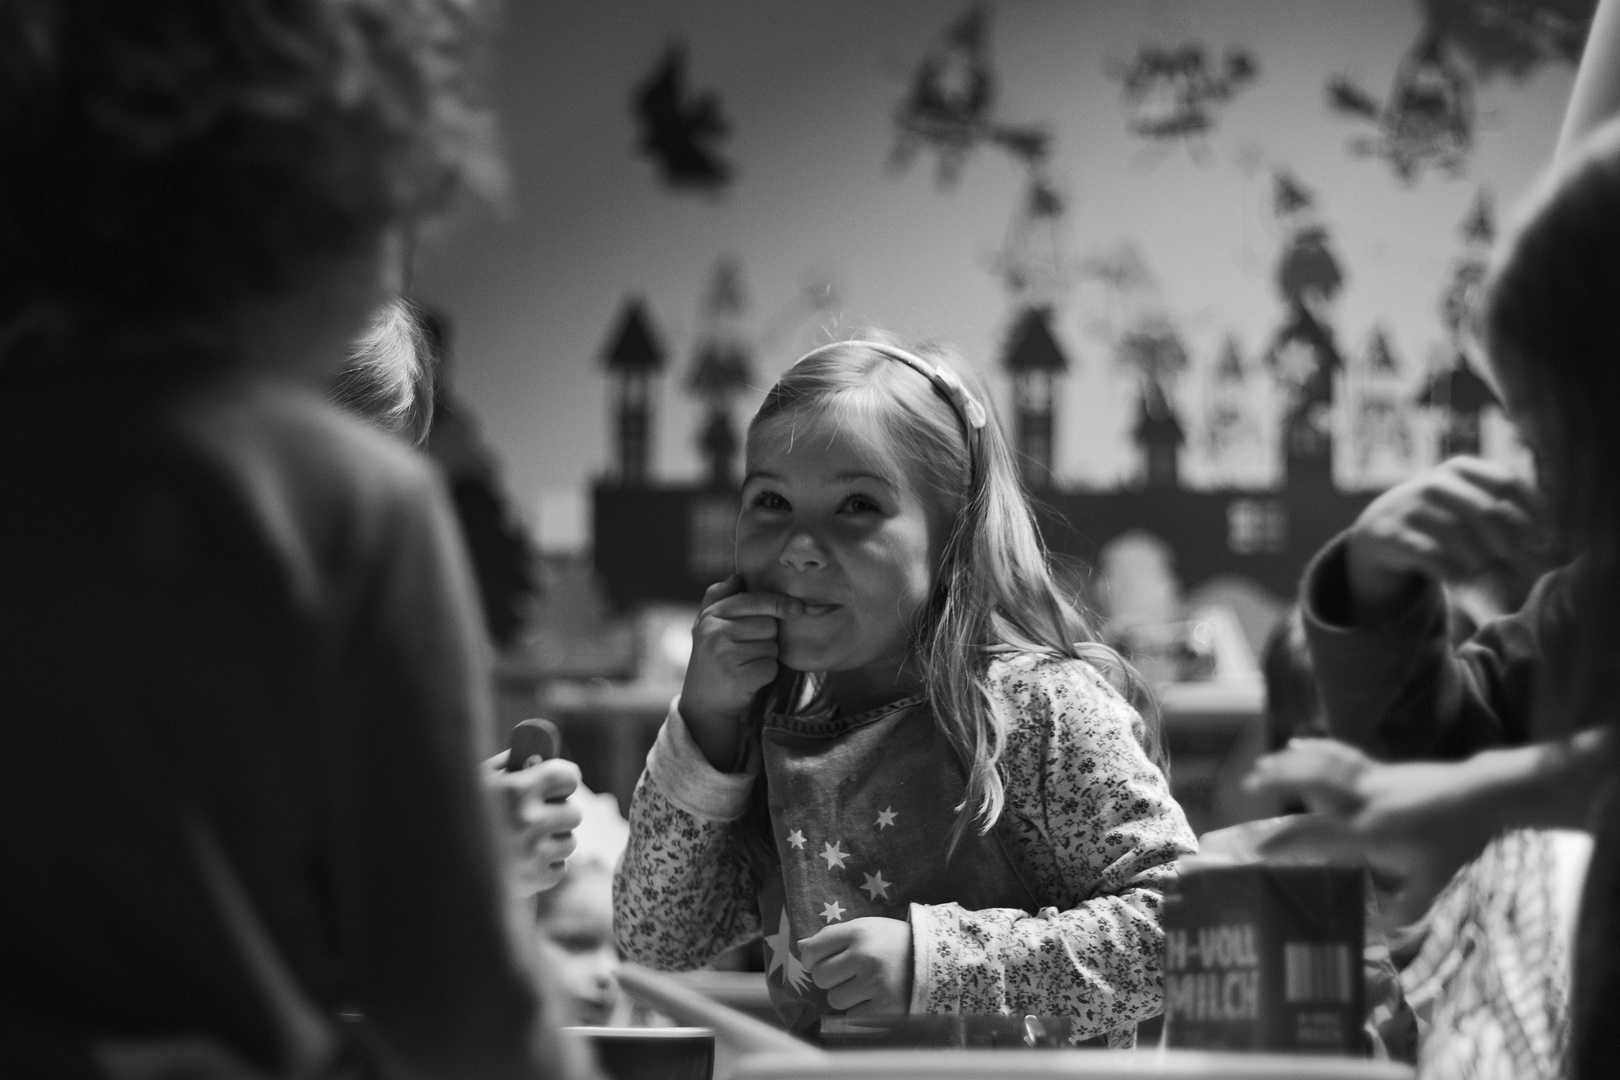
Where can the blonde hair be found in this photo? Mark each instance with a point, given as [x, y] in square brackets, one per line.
[388, 379]
[994, 590]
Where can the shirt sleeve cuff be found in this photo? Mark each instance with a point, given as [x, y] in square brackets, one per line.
[1325, 599]
[686, 778]
[931, 976]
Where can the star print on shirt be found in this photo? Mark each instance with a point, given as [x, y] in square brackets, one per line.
[796, 838]
[832, 912]
[886, 818]
[875, 886]
[782, 958]
[834, 853]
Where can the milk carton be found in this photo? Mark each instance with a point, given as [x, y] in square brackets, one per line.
[1265, 957]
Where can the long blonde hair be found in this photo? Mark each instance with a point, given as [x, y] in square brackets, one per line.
[994, 590]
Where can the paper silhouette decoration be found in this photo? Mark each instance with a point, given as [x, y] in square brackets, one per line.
[681, 131]
[1427, 120]
[722, 368]
[1513, 37]
[1176, 93]
[1037, 364]
[633, 359]
[949, 108]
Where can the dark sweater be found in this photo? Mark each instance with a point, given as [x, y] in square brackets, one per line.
[230, 612]
[1403, 691]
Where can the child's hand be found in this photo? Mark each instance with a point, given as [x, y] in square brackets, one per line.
[733, 655]
[1450, 522]
[864, 965]
[1413, 824]
[541, 821]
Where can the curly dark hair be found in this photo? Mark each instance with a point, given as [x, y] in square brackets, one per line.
[161, 161]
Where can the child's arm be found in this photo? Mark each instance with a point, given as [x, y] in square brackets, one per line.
[1101, 832]
[1376, 618]
[1415, 824]
[683, 894]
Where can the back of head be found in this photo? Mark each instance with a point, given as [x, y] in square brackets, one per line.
[167, 161]
[994, 589]
[1553, 326]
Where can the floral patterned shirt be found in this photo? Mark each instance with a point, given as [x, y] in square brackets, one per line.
[1098, 827]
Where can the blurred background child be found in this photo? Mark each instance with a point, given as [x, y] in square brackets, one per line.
[575, 918]
[389, 376]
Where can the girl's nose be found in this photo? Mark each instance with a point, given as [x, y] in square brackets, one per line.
[801, 552]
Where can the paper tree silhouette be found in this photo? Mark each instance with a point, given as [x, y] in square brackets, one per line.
[681, 132]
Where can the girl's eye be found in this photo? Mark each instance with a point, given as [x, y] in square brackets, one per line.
[769, 500]
[861, 504]
[578, 944]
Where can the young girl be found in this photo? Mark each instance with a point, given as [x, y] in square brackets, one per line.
[891, 754]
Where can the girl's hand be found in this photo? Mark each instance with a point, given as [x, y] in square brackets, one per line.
[733, 655]
[1452, 522]
[864, 965]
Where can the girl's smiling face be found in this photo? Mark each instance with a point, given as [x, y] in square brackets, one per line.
[828, 518]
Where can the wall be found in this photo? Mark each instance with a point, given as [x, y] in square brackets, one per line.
[811, 88]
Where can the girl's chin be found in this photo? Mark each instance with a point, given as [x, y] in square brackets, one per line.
[802, 655]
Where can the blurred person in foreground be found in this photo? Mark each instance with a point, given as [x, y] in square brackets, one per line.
[240, 668]
[1546, 678]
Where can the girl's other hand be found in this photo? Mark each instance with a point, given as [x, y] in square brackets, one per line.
[864, 965]
[1457, 520]
[733, 655]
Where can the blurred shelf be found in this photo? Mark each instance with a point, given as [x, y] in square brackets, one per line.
[744, 991]
[1218, 702]
[608, 694]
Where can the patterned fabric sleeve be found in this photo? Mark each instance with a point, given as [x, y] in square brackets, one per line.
[1100, 832]
[681, 893]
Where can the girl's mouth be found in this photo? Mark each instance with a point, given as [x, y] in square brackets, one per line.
[594, 1013]
[817, 609]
